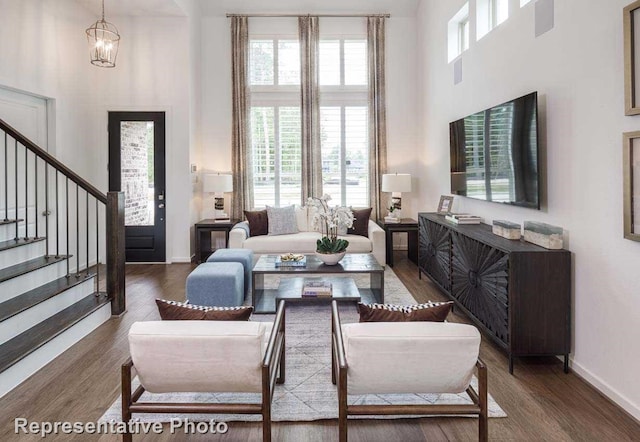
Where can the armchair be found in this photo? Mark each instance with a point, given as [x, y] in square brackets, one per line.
[205, 356]
[406, 357]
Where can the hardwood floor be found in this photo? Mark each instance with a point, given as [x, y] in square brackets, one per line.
[541, 401]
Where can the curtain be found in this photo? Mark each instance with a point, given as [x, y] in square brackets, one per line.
[240, 148]
[377, 115]
[310, 107]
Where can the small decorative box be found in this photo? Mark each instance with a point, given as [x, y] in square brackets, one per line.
[544, 235]
[506, 229]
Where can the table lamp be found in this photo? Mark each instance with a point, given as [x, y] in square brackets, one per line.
[218, 184]
[396, 183]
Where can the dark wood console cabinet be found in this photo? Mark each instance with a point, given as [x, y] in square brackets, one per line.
[518, 293]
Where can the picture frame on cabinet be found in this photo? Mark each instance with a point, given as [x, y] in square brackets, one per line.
[631, 23]
[631, 182]
[445, 205]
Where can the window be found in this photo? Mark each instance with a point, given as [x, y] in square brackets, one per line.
[274, 76]
[344, 137]
[458, 29]
[490, 13]
[274, 79]
[463, 35]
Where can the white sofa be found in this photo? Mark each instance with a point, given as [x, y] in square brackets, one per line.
[305, 240]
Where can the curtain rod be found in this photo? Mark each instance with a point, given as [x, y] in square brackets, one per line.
[313, 15]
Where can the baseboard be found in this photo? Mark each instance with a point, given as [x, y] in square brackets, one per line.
[180, 260]
[610, 393]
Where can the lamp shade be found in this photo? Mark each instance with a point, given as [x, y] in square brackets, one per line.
[396, 182]
[217, 183]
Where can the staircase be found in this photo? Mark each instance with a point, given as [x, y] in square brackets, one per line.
[56, 233]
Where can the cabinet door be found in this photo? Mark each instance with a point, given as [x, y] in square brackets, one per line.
[434, 252]
[480, 282]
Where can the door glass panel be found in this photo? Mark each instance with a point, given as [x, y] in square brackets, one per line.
[136, 163]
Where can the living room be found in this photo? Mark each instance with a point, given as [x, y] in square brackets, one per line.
[175, 57]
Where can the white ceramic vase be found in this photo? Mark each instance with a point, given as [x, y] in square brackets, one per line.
[330, 259]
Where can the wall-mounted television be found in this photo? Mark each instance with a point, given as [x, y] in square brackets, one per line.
[494, 154]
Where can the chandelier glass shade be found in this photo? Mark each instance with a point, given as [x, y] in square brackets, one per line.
[103, 39]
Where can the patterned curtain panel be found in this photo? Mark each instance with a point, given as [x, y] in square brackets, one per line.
[310, 103]
[377, 114]
[240, 149]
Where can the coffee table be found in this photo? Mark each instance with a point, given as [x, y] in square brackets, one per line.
[292, 279]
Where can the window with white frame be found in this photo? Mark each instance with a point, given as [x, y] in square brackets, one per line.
[276, 154]
[344, 136]
[490, 13]
[458, 30]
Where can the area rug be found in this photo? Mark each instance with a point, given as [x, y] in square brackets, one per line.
[307, 393]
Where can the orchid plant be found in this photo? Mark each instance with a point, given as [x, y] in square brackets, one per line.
[330, 220]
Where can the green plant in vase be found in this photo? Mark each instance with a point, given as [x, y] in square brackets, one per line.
[330, 220]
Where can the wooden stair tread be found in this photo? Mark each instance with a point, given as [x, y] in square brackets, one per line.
[30, 266]
[27, 342]
[40, 294]
[10, 244]
[9, 221]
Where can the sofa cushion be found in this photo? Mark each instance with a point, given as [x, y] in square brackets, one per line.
[423, 357]
[302, 242]
[360, 222]
[198, 356]
[301, 218]
[429, 311]
[173, 310]
[282, 220]
[258, 222]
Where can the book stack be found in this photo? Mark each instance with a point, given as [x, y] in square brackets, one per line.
[291, 260]
[316, 288]
[463, 218]
[391, 220]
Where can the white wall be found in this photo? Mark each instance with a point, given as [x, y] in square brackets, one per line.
[43, 51]
[577, 69]
[153, 74]
[402, 81]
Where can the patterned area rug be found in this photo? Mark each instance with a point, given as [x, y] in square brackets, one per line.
[307, 393]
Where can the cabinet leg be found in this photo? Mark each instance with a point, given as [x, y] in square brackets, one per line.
[510, 364]
[419, 274]
[566, 363]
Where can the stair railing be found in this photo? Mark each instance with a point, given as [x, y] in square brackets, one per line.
[86, 223]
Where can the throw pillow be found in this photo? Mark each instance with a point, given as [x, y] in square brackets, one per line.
[172, 310]
[258, 222]
[430, 311]
[282, 220]
[360, 222]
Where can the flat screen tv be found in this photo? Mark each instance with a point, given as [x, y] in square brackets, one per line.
[494, 154]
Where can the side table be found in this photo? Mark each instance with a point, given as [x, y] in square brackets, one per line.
[408, 225]
[203, 231]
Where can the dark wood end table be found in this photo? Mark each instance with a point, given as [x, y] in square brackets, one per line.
[408, 225]
[203, 231]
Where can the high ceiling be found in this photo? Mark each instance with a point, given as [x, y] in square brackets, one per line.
[150, 8]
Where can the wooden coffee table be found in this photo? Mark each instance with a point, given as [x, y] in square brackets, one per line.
[292, 280]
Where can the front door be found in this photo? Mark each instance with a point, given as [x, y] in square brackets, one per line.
[137, 168]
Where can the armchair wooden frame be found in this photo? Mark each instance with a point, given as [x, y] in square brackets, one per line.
[339, 368]
[273, 372]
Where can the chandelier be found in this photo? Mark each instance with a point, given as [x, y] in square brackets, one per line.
[103, 41]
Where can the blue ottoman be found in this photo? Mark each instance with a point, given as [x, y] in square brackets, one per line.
[243, 256]
[216, 284]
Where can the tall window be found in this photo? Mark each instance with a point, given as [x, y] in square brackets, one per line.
[344, 121]
[463, 35]
[274, 75]
[274, 80]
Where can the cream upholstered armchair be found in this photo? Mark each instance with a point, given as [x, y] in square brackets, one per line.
[205, 357]
[406, 357]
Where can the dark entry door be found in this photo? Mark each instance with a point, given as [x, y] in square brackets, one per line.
[137, 168]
